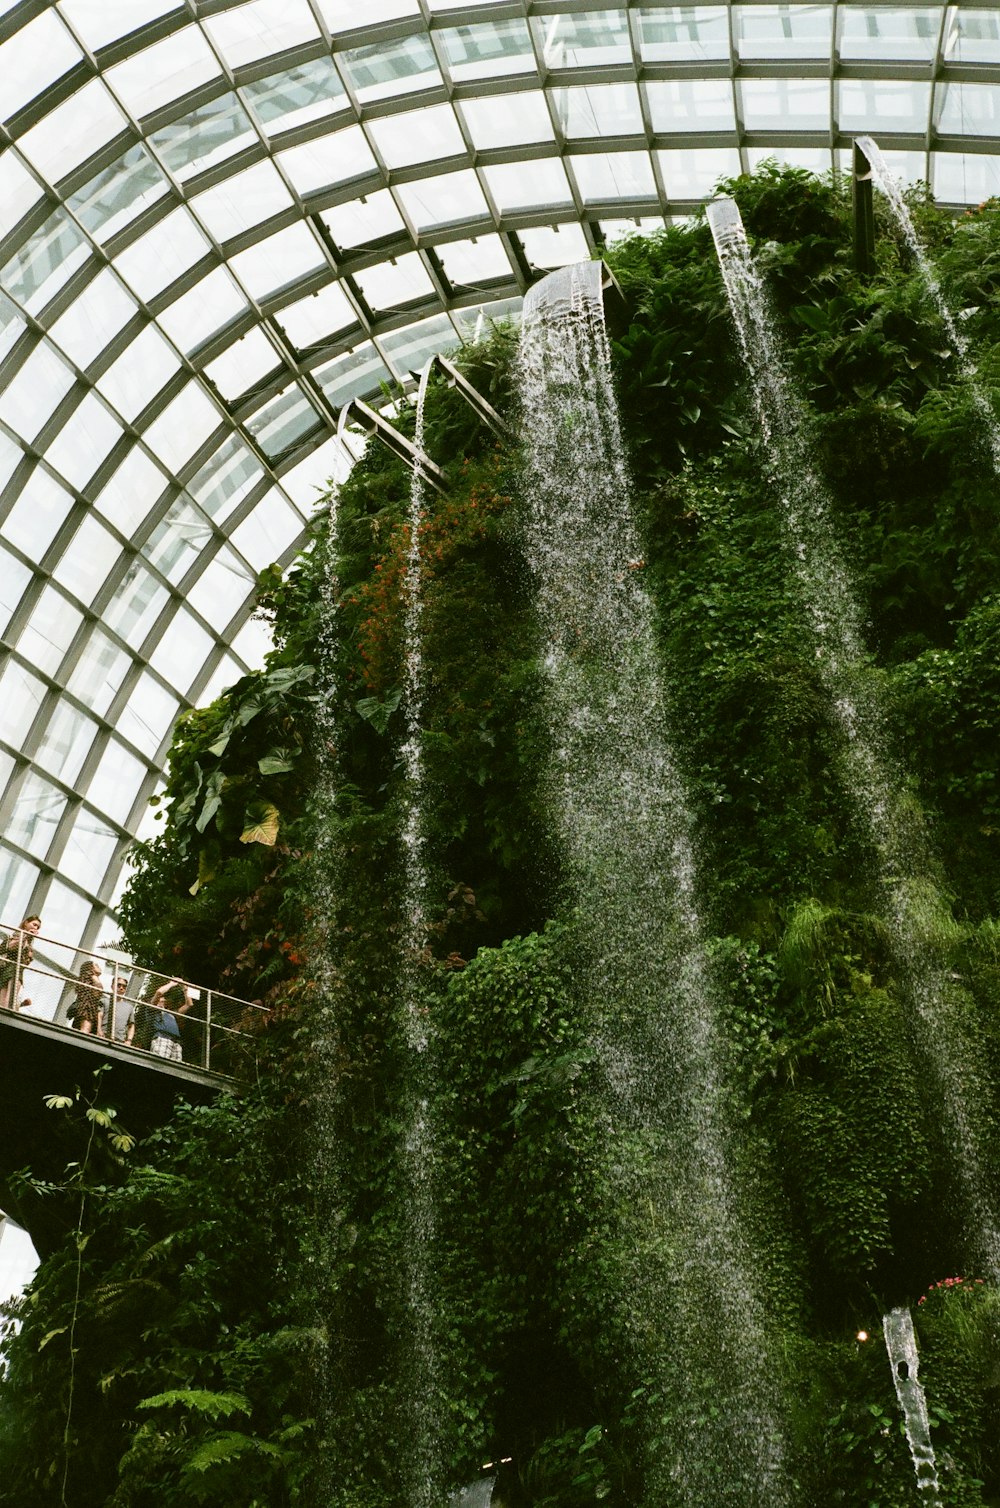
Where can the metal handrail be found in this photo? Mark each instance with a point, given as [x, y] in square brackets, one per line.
[214, 1029]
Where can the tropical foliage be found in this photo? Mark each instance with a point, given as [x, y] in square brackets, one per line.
[246, 1326]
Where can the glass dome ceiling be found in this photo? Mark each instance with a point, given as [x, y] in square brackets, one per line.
[219, 221]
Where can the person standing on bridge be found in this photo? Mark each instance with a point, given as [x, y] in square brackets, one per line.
[85, 1012]
[169, 1003]
[12, 966]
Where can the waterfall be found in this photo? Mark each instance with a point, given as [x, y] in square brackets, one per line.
[967, 366]
[423, 1467]
[915, 910]
[686, 1295]
[901, 1345]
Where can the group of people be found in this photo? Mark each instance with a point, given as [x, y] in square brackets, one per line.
[154, 1024]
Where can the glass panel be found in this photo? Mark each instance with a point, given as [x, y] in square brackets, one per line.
[18, 190]
[30, 397]
[697, 104]
[177, 540]
[309, 481]
[135, 603]
[546, 186]
[117, 781]
[355, 375]
[34, 817]
[11, 456]
[418, 136]
[21, 695]
[207, 135]
[584, 41]
[261, 28]
[252, 643]
[487, 49]
[394, 283]
[363, 221]
[14, 579]
[159, 257]
[50, 255]
[555, 246]
[968, 109]
[614, 175]
[70, 914]
[881, 105]
[102, 21]
[225, 674]
[18, 879]
[240, 367]
[90, 556]
[784, 31]
[469, 264]
[148, 716]
[84, 441]
[219, 593]
[410, 350]
[185, 423]
[139, 372]
[338, 158]
[33, 522]
[119, 193]
[683, 33]
[225, 479]
[510, 120]
[162, 73]
[814, 159]
[447, 200]
[284, 422]
[99, 672]
[89, 852]
[972, 36]
[784, 104]
[46, 638]
[182, 650]
[12, 326]
[383, 70]
[882, 32]
[296, 95]
[267, 532]
[601, 110]
[73, 131]
[66, 742]
[132, 490]
[93, 318]
[344, 15]
[960, 178]
[33, 58]
[207, 307]
[245, 200]
[694, 175]
[316, 318]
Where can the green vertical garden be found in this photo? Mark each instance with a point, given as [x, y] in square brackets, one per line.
[227, 1318]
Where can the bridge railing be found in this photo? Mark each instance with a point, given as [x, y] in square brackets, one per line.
[150, 1012]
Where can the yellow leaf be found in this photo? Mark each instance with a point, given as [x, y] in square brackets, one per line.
[262, 827]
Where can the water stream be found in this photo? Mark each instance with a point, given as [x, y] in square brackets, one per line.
[904, 1359]
[685, 1294]
[966, 364]
[421, 1369]
[917, 915]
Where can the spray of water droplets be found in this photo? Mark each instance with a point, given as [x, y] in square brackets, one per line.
[686, 1292]
[917, 916]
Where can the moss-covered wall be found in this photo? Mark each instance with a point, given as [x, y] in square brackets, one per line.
[235, 1349]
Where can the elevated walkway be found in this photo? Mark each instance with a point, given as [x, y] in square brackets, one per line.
[42, 1054]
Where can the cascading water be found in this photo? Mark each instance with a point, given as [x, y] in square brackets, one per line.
[967, 366]
[686, 1296]
[914, 907]
[904, 1359]
[418, 1150]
